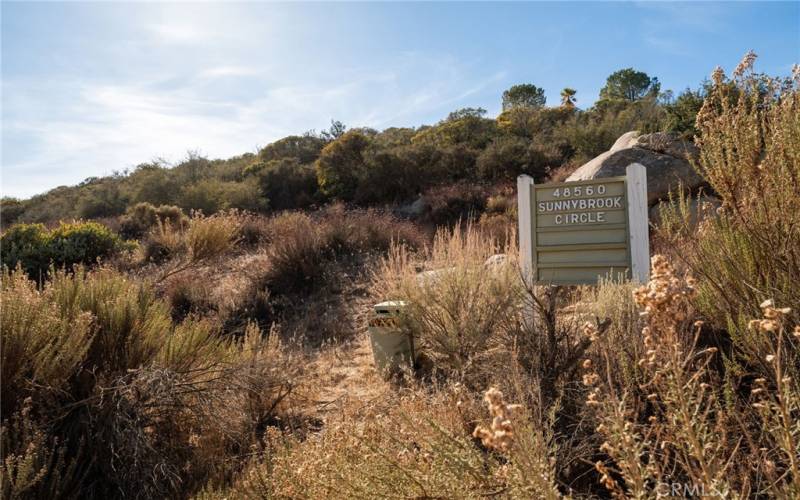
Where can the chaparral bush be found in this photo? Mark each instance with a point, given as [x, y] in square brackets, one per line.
[748, 250]
[36, 249]
[681, 419]
[462, 309]
[196, 242]
[26, 245]
[105, 397]
[302, 247]
[139, 218]
[410, 446]
[450, 204]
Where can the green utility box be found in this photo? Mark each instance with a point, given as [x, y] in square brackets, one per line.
[393, 349]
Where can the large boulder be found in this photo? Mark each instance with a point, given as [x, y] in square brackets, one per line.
[666, 158]
[626, 140]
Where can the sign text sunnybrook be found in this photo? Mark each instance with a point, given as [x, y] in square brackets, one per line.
[578, 232]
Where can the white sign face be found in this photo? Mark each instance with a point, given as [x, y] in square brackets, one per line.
[577, 232]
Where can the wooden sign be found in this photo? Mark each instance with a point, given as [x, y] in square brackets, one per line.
[574, 233]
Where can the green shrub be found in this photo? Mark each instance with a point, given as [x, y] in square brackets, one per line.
[286, 184]
[453, 163]
[26, 245]
[389, 176]
[36, 249]
[82, 243]
[153, 183]
[244, 195]
[207, 196]
[509, 156]
[341, 164]
[100, 198]
[305, 149]
[503, 159]
[462, 127]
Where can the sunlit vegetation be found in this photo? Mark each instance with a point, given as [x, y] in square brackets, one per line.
[199, 338]
[370, 167]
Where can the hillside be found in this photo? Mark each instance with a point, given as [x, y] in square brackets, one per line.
[201, 330]
[367, 167]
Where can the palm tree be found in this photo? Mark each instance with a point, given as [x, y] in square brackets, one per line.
[568, 97]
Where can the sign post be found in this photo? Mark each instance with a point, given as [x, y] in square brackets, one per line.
[574, 233]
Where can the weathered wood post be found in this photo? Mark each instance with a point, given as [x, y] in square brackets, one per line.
[638, 224]
[526, 233]
[525, 218]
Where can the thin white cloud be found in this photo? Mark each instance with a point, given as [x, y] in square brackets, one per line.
[178, 32]
[700, 16]
[104, 127]
[229, 71]
[666, 25]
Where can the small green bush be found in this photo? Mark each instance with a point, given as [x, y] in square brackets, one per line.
[82, 243]
[26, 245]
[207, 196]
[36, 249]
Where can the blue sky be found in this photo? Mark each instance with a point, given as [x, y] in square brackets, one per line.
[90, 88]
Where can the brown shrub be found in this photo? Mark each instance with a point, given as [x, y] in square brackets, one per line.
[417, 445]
[302, 248]
[125, 401]
[750, 251]
[676, 420]
[453, 203]
[461, 309]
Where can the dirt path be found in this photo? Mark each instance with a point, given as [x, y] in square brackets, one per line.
[347, 376]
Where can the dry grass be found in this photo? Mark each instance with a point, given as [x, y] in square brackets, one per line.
[680, 423]
[750, 251]
[461, 309]
[409, 445]
[687, 386]
[104, 395]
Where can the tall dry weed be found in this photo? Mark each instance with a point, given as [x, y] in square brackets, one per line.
[462, 308]
[414, 445]
[680, 424]
[749, 138]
